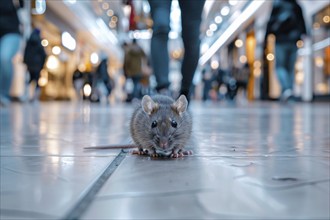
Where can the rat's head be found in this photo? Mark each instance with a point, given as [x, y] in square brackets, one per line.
[168, 121]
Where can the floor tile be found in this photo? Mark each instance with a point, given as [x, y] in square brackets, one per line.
[40, 187]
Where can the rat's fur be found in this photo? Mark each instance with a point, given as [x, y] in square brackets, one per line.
[164, 138]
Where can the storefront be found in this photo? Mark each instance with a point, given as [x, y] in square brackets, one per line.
[321, 53]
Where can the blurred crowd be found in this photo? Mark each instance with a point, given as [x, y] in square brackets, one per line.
[139, 68]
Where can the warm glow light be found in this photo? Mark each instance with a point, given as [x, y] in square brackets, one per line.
[214, 64]
[52, 62]
[300, 43]
[270, 57]
[319, 61]
[243, 59]
[56, 50]
[42, 81]
[322, 87]
[326, 19]
[82, 67]
[316, 25]
[114, 19]
[110, 12]
[238, 43]
[44, 43]
[87, 90]
[112, 24]
[299, 77]
[257, 64]
[105, 6]
[94, 58]
[257, 72]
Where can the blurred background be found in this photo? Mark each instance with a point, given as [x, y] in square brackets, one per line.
[237, 62]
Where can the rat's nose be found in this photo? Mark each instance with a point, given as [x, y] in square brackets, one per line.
[163, 144]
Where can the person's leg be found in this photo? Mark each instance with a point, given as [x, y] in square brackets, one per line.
[292, 51]
[137, 87]
[281, 71]
[9, 45]
[160, 13]
[191, 12]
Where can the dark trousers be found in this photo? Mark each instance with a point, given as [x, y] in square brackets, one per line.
[286, 55]
[191, 19]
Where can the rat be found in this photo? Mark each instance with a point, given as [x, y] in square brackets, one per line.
[159, 127]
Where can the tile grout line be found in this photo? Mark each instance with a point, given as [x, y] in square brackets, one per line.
[81, 206]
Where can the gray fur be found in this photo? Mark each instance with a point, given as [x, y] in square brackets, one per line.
[165, 109]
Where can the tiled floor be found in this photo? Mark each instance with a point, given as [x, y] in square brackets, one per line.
[251, 161]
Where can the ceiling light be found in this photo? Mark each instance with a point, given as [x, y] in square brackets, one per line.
[225, 11]
[213, 27]
[232, 2]
[110, 12]
[209, 33]
[105, 6]
[112, 24]
[225, 36]
[114, 19]
[218, 19]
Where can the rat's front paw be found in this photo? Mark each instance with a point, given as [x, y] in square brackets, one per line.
[140, 151]
[177, 155]
[187, 152]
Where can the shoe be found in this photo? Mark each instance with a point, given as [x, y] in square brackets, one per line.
[286, 95]
[4, 101]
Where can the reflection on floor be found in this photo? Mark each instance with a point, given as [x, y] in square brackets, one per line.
[254, 160]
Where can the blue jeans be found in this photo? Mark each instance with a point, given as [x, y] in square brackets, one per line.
[191, 19]
[9, 45]
[286, 55]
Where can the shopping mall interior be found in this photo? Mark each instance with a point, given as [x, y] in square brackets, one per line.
[253, 154]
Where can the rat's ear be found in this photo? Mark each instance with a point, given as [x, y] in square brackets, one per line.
[148, 105]
[180, 105]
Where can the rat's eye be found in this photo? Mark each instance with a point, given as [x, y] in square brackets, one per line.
[174, 124]
[154, 124]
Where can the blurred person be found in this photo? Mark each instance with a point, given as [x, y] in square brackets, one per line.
[10, 37]
[133, 64]
[34, 58]
[287, 23]
[241, 76]
[78, 82]
[191, 12]
[102, 75]
[207, 78]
